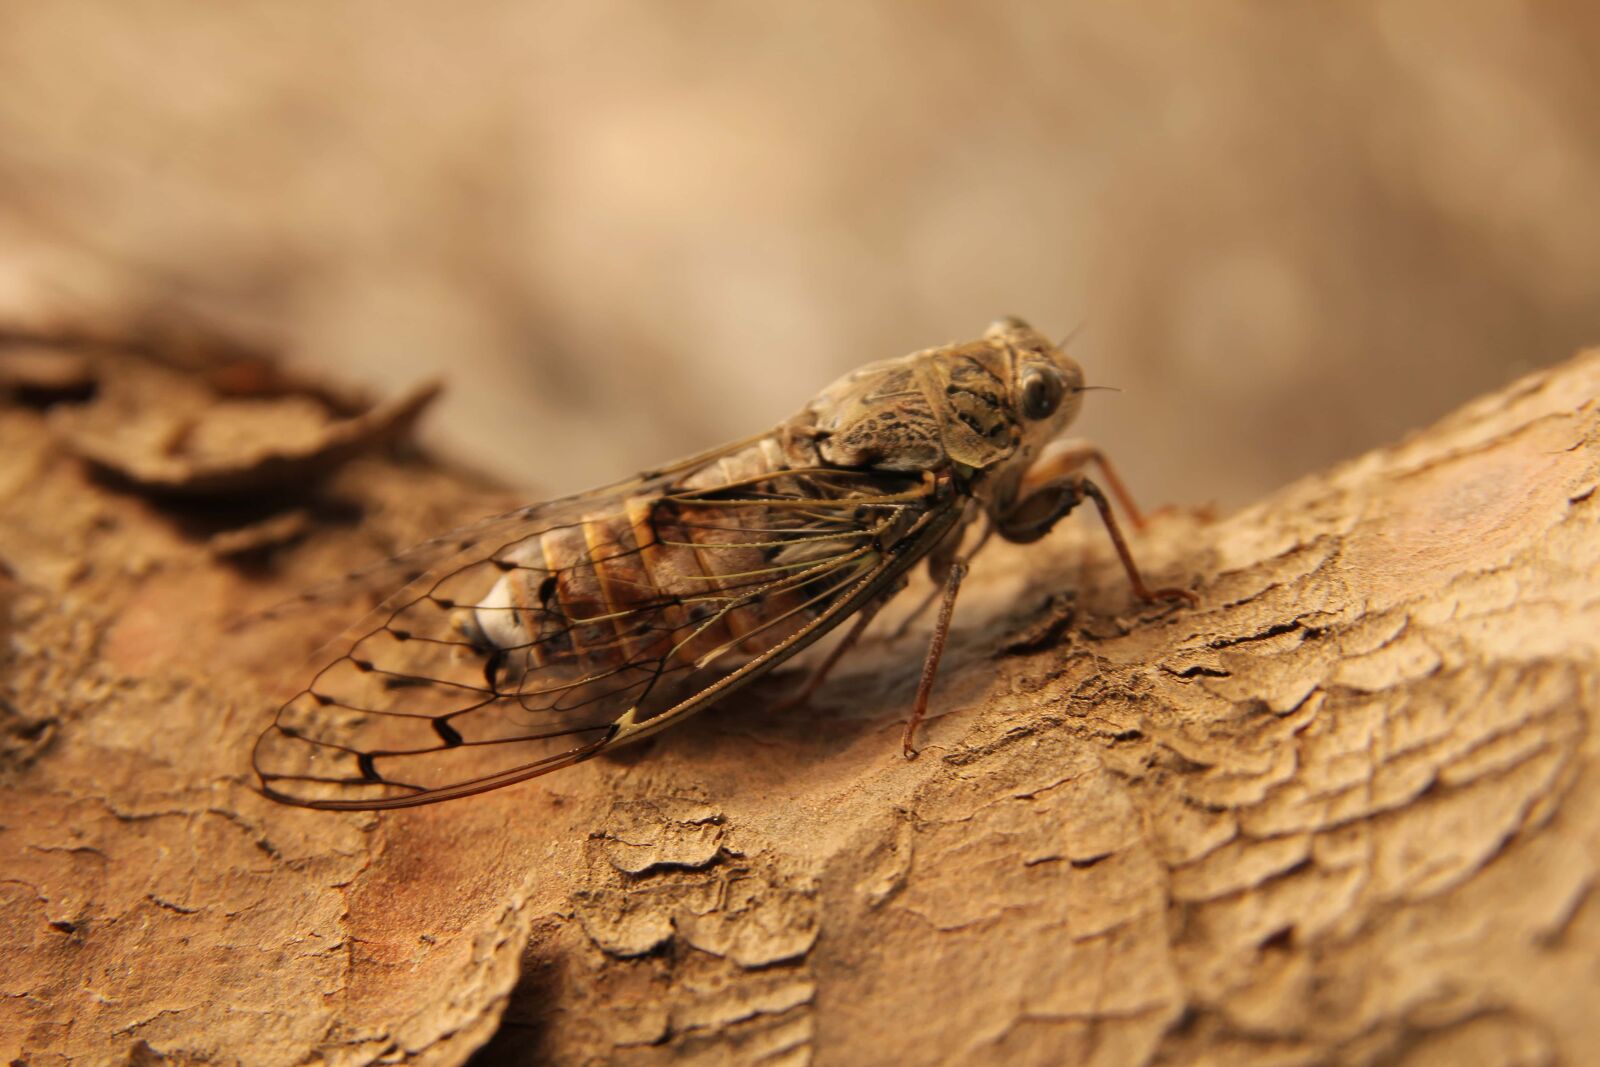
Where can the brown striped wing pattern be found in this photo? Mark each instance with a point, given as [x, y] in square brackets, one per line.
[559, 630]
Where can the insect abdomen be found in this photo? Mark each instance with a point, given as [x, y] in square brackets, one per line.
[657, 583]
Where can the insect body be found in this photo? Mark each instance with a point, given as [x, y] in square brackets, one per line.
[557, 631]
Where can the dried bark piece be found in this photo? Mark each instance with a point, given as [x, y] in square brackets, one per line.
[259, 375]
[258, 537]
[227, 363]
[232, 447]
[41, 375]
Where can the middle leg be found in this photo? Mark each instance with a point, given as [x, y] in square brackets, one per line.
[820, 673]
[930, 666]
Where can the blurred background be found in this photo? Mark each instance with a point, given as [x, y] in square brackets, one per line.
[625, 231]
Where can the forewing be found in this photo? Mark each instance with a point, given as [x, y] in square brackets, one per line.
[587, 621]
[392, 577]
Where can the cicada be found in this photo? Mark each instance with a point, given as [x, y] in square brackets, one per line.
[549, 635]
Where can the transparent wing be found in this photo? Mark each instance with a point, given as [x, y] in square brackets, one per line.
[559, 630]
[461, 544]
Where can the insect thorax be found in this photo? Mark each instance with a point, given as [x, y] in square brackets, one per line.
[927, 411]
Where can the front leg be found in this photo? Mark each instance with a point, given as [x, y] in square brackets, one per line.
[1036, 514]
[1069, 457]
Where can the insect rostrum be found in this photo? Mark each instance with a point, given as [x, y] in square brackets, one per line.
[554, 632]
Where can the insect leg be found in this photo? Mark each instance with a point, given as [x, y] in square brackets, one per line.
[1068, 458]
[1036, 514]
[939, 562]
[905, 624]
[1094, 493]
[930, 666]
[820, 672]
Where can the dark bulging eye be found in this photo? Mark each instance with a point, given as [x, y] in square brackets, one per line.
[1041, 393]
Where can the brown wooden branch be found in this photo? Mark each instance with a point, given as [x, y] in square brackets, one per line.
[1346, 810]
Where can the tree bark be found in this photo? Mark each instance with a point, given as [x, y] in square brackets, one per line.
[1346, 810]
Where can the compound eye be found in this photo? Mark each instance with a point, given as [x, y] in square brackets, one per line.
[1041, 393]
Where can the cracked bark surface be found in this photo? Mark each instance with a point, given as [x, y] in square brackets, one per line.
[1345, 811]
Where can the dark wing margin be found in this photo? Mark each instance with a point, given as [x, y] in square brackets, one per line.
[590, 622]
